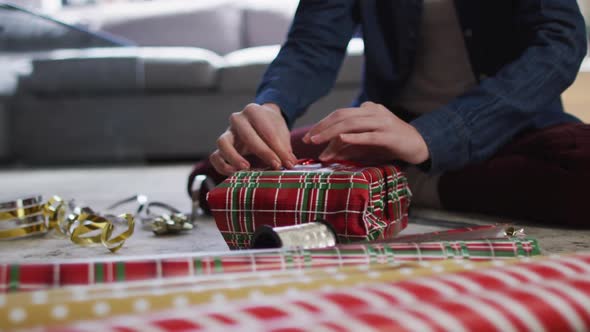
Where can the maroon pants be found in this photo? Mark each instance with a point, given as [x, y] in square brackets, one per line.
[541, 176]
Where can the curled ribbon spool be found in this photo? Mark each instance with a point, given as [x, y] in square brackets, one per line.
[55, 211]
[22, 217]
[317, 234]
[83, 226]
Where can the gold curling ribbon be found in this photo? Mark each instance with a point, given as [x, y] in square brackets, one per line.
[21, 212]
[27, 219]
[83, 226]
[23, 231]
[55, 211]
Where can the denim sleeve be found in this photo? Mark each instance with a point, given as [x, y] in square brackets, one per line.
[475, 125]
[306, 67]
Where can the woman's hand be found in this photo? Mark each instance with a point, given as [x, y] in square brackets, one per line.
[370, 133]
[257, 129]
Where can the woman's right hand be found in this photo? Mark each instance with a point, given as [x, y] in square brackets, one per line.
[260, 130]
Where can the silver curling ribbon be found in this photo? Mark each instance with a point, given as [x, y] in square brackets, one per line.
[317, 234]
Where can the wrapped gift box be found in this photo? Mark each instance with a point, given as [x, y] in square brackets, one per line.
[360, 203]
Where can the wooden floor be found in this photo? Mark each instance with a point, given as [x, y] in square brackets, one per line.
[100, 187]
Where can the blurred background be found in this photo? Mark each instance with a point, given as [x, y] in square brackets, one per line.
[140, 81]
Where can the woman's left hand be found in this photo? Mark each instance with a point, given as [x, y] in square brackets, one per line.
[370, 133]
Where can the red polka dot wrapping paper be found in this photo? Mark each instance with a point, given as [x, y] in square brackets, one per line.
[547, 294]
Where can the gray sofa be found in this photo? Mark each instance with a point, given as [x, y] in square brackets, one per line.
[169, 97]
[25, 36]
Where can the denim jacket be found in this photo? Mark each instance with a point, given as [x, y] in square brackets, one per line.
[524, 53]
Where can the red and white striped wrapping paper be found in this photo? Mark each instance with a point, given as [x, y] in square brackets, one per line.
[551, 294]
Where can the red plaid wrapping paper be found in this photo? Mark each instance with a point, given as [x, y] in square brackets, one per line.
[361, 203]
[551, 294]
[31, 276]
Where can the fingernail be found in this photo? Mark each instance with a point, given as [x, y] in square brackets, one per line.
[305, 138]
[315, 138]
[289, 164]
[276, 165]
[244, 166]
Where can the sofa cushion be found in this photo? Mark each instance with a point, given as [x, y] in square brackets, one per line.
[243, 69]
[267, 22]
[124, 69]
[213, 25]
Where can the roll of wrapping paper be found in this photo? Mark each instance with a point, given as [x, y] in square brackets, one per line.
[54, 307]
[317, 234]
[32, 276]
[32, 216]
[82, 303]
[551, 294]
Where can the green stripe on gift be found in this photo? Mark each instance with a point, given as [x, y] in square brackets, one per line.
[374, 234]
[235, 201]
[249, 226]
[321, 195]
[14, 282]
[239, 239]
[305, 199]
[376, 191]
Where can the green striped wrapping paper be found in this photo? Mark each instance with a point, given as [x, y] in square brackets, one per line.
[32, 276]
